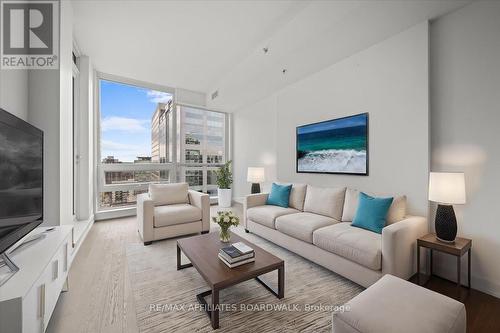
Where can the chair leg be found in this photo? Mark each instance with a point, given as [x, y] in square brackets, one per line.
[148, 243]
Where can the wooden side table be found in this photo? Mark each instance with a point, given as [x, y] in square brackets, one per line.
[457, 249]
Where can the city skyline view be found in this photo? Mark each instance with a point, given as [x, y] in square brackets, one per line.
[137, 127]
[126, 112]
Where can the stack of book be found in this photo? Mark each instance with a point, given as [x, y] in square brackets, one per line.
[236, 254]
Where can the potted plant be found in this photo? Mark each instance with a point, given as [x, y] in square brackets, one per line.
[224, 182]
[226, 220]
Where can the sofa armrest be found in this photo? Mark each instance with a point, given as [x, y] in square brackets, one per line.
[145, 213]
[399, 246]
[253, 200]
[202, 201]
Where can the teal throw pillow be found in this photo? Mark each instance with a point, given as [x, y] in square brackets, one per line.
[280, 195]
[371, 213]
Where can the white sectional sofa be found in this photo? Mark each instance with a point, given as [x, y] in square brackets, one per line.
[317, 226]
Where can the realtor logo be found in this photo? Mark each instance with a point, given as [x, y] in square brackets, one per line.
[30, 34]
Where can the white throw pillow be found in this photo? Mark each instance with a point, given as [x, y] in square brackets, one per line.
[297, 195]
[169, 194]
[325, 201]
[350, 205]
[396, 213]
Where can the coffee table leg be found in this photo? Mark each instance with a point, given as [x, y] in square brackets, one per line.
[215, 309]
[281, 282]
[280, 293]
[179, 265]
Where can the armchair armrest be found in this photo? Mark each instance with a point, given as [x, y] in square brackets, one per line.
[253, 200]
[399, 246]
[202, 201]
[145, 213]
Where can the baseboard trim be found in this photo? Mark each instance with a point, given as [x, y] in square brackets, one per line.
[447, 269]
[80, 237]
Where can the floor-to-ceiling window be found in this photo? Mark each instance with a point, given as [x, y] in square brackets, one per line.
[144, 137]
[133, 142]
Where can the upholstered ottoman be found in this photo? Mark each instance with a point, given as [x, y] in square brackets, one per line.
[395, 305]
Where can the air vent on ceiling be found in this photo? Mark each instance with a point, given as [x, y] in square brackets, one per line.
[215, 94]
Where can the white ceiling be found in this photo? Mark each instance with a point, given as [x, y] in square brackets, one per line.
[187, 44]
[217, 45]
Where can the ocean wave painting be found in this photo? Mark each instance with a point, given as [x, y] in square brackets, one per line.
[334, 146]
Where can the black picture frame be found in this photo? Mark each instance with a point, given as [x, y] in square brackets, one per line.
[367, 136]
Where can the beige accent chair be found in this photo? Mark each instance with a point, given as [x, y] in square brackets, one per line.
[171, 210]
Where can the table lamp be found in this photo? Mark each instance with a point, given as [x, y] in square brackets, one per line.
[447, 189]
[255, 176]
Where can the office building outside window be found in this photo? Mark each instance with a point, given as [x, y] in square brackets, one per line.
[146, 138]
[203, 147]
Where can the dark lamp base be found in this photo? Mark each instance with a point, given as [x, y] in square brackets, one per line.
[446, 224]
[255, 188]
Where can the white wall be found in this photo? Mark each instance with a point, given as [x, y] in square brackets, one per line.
[390, 82]
[465, 104]
[254, 143]
[14, 92]
[66, 113]
[190, 97]
[50, 109]
[44, 114]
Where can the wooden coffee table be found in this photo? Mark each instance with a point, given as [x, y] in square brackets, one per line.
[202, 251]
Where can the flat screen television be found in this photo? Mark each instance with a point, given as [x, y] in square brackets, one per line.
[21, 179]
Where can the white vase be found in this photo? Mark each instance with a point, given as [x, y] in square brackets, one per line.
[224, 197]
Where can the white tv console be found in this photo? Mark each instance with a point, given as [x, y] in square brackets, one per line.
[28, 299]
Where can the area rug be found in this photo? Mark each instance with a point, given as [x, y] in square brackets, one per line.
[165, 299]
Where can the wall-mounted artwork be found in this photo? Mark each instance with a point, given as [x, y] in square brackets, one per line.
[334, 146]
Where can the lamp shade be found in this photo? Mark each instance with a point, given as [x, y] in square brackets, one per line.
[255, 175]
[447, 187]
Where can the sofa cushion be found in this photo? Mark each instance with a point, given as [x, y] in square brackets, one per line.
[361, 246]
[395, 305]
[267, 214]
[396, 213]
[302, 225]
[175, 214]
[169, 194]
[325, 201]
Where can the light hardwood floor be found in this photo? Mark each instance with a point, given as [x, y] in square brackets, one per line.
[100, 297]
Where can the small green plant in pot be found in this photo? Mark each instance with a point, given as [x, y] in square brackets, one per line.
[226, 220]
[224, 182]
